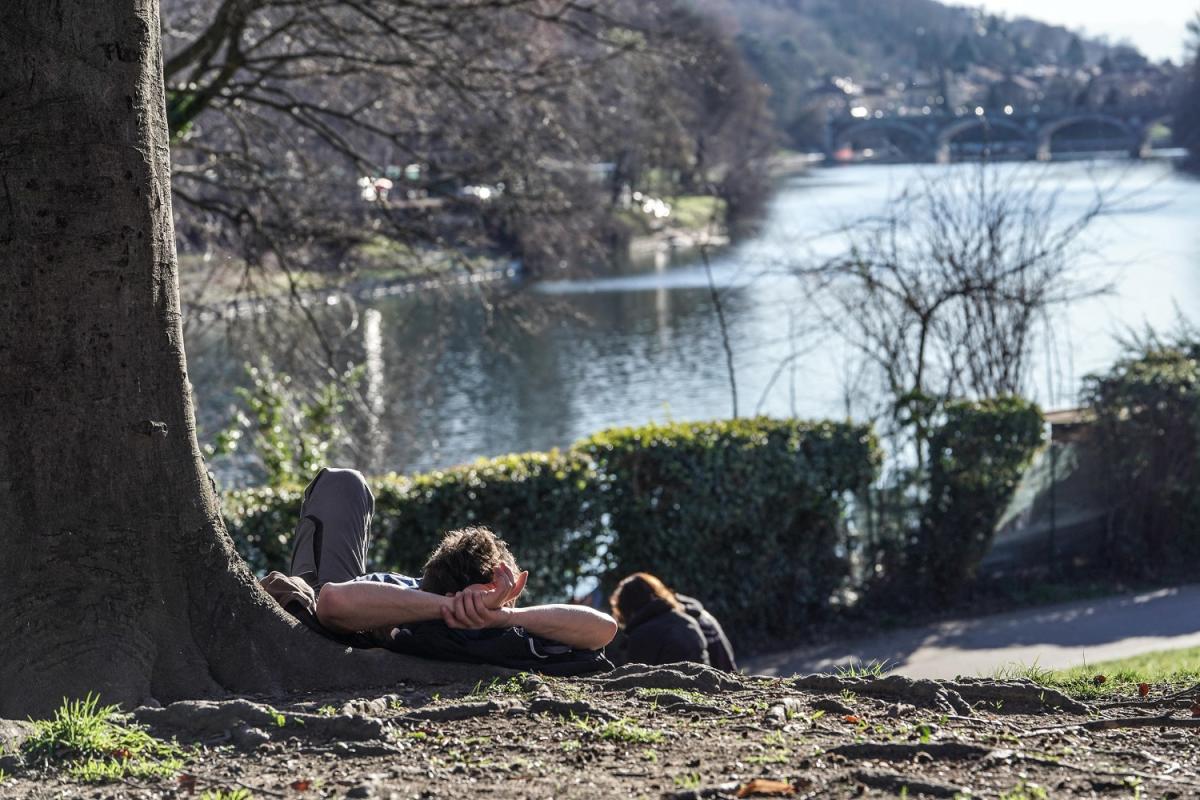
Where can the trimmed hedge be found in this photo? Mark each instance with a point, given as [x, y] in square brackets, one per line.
[976, 458]
[1147, 432]
[746, 514]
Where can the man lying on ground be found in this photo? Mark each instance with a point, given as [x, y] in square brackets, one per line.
[469, 584]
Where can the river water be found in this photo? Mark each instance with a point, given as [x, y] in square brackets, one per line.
[448, 379]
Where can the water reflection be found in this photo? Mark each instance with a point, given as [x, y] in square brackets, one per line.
[449, 377]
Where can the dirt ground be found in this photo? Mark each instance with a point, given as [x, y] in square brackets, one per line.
[679, 732]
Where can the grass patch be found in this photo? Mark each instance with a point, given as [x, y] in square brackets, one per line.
[689, 695]
[513, 686]
[697, 212]
[1164, 670]
[622, 730]
[862, 669]
[227, 794]
[95, 744]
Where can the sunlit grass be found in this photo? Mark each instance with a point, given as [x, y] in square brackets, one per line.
[1164, 670]
[95, 744]
[862, 669]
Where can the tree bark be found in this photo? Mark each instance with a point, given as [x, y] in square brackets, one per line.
[116, 573]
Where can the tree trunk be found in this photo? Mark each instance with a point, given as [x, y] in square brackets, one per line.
[116, 573]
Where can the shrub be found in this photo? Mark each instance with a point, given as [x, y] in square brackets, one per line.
[746, 514]
[1147, 422]
[538, 502]
[976, 458]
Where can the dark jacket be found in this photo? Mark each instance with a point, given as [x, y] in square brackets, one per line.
[720, 653]
[658, 634]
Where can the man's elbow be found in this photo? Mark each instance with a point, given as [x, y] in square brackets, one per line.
[333, 608]
[606, 630]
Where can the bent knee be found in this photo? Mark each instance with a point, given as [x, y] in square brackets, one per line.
[344, 482]
[332, 606]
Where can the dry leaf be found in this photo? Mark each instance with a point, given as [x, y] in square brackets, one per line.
[187, 782]
[1143, 689]
[765, 786]
[301, 785]
[1099, 680]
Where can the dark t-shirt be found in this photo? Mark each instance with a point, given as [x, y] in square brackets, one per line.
[659, 634]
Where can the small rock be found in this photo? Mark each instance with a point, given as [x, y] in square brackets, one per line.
[362, 790]
[831, 706]
[250, 738]
[897, 710]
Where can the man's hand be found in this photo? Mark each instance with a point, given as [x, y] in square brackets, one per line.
[471, 609]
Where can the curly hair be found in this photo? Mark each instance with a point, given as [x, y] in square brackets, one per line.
[464, 557]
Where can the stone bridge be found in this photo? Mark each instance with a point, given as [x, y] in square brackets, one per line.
[941, 138]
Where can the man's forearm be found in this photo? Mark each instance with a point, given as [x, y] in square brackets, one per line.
[577, 626]
[366, 605]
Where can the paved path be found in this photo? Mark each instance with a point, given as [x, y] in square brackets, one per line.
[1051, 636]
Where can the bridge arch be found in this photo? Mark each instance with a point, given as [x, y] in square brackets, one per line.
[920, 140]
[947, 135]
[1046, 133]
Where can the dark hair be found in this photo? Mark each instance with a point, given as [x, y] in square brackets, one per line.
[464, 557]
[636, 592]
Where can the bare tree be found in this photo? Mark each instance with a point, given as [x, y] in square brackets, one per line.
[947, 291]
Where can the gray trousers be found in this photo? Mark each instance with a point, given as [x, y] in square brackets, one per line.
[330, 542]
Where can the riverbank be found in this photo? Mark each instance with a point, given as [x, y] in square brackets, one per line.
[212, 289]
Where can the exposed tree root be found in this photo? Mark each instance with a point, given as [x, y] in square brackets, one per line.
[903, 784]
[459, 711]
[692, 677]
[568, 708]
[831, 706]
[953, 697]
[249, 721]
[921, 693]
[952, 751]
[1017, 696]
[538, 705]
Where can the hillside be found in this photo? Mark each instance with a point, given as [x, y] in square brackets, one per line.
[797, 45]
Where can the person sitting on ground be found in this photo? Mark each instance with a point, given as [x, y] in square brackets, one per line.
[657, 629]
[720, 652]
[470, 583]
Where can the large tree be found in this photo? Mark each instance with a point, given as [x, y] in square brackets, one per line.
[116, 574]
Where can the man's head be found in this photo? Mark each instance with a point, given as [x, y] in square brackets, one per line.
[469, 557]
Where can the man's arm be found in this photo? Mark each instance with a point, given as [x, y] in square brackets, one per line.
[576, 626]
[367, 605]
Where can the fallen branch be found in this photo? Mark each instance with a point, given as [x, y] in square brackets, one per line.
[953, 751]
[1113, 723]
